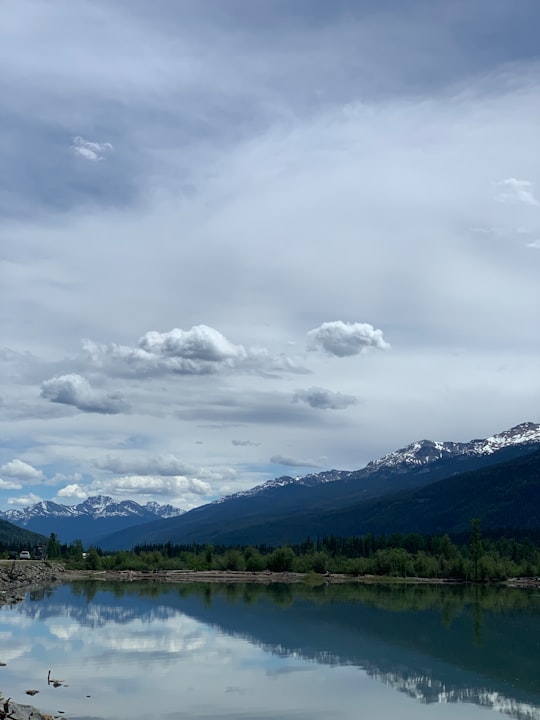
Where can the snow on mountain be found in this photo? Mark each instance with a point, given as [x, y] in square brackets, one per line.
[307, 480]
[164, 511]
[45, 508]
[98, 506]
[417, 454]
[424, 452]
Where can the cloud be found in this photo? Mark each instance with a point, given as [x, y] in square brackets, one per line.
[199, 351]
[245, 443]
[72, 491]
[291, 185]
[21, 470]
[93, 151]
[9, 485]
[535, 244]
[75, 390]
[160, 465]
[324, 399]
[202, 350]
[345, 339]
[293, 461]
[151, 485]
[512, 190]
[200, 343]
[25, 500]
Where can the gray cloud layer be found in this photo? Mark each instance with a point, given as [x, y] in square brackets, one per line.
[218, 179]
[75, 390]
[324, 399]
[291, 461]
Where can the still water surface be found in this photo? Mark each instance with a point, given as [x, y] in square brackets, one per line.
[249, 651]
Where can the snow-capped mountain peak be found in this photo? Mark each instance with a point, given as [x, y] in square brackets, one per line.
[424, 452]
[97, 506]
[45, 508]
[164, 511]
[415, 455]
[284, 480]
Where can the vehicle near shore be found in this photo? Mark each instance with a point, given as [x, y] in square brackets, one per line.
[25, 555]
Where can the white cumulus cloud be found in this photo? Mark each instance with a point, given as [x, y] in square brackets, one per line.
[344, 339]
[323, 399]
[9, 485]
[74, 490]
[20, 470]
[75, 390]
[512, 190]
[93, 151]
[25, 500]
[199, 343]
[201, 350]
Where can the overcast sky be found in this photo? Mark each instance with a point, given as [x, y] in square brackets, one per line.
[247, 239]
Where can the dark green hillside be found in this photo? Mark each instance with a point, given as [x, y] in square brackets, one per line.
[291, 513]
[13, 537]
[504, 495]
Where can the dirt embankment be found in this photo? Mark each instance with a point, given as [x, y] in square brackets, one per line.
[17, 577]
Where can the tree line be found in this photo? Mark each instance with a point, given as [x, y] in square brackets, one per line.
[472, 556]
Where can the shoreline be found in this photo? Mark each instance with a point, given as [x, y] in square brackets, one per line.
[264, 577]
[21, 576]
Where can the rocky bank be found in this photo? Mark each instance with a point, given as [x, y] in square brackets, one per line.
[17, 577]
[10, 710]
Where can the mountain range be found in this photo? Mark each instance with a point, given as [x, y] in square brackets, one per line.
[88, 521]
[427, 486]
[289, 509]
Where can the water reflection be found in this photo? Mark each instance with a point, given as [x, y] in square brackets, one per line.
[281, 651]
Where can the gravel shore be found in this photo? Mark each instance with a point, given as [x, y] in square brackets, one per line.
[17, 577]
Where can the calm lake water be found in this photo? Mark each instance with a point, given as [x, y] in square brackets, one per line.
[248, 651]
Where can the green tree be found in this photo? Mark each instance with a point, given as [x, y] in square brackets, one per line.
[281, 560]
[255, 562]
[75, 550]
[232, 559]
[53, 547]
[93, 561]
[475, 546]
[208, 555]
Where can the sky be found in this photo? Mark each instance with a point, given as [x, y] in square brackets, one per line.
[240, 240]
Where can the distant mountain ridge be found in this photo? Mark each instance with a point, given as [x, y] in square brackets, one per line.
[89, 520]
[415, 455]
[284, 509]
[277, 511]
[428, 451]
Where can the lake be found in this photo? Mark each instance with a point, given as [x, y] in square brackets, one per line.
[161, 651]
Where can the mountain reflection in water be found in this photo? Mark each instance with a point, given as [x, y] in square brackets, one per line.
[435, 644]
